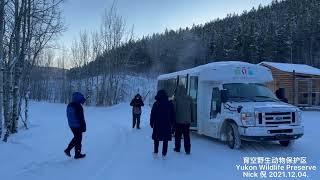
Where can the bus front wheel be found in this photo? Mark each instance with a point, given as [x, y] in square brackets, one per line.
[233, 136]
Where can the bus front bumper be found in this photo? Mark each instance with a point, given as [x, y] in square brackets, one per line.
[281, 133]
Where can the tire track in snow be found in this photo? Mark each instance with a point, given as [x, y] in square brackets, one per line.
[115, 153]
[94, 166]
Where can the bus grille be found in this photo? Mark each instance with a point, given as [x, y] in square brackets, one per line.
[276, 118]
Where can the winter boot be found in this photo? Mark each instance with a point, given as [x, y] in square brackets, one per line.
[67, 152]
[176, 150]
[164, 157]
[79, 155]
[155, 155]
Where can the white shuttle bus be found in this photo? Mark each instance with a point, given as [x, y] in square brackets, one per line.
[232, 103]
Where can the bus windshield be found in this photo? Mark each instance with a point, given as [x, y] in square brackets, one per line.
[249, 92]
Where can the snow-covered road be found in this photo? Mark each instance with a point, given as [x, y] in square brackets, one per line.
[115, 151]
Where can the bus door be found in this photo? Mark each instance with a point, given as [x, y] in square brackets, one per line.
[215, 111]
[193, 93]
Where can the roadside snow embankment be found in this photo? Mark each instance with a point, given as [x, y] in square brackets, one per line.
[115, 151]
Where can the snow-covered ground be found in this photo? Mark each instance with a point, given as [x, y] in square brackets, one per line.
[115, 151]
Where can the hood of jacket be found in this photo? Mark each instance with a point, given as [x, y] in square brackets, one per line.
[138, 96]
[161, 96]
[78, 97]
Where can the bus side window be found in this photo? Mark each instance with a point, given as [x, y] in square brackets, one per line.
[215, 103]
[161, 84]
[193, 87]
[193, 93]
[168, 85]
[183, 81]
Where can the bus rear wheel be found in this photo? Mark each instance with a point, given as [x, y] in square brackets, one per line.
[233, 136]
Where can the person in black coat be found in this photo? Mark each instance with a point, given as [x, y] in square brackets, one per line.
[76, 123]
[280, 93]
[136, 104]
[161, 121]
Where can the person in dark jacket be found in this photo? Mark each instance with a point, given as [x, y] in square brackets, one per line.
[161, 121]
[76, 123]
[183, 117]
[136, 104]
[280, 93]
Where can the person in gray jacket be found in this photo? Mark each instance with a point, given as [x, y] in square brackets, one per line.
[183, 108]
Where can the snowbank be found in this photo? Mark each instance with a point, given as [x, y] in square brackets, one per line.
[115, 151]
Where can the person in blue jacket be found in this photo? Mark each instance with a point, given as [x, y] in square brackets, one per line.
[76, 123]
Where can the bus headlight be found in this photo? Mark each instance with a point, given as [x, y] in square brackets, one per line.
[248, 119]
[299, 116]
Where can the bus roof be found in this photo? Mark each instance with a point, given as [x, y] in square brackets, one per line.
[198, 69]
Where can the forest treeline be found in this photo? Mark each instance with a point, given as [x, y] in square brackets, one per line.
[284, 31]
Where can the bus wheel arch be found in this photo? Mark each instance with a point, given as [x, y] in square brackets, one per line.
[230, 134]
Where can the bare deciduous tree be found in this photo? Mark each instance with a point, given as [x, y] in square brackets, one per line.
[30, 25]
[2, 2]
[113, 31]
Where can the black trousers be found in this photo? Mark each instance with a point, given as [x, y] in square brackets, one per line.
[76, 140]
[164, 147]
[182, 129]
[136, 120]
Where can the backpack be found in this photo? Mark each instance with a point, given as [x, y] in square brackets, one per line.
[136, 110]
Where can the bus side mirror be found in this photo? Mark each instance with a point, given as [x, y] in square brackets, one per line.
[224, 95]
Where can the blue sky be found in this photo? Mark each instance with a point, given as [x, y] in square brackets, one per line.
[149, 16]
